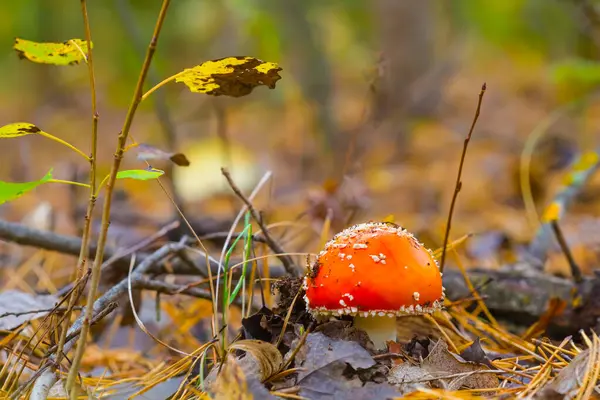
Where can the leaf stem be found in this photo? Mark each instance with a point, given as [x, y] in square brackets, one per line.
[64, 143]
[121, 143]
[69, 182]
[134, 144]
[160, 84]
[101, 185]
[85, 239]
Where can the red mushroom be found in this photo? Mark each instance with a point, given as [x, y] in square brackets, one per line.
[374, 272]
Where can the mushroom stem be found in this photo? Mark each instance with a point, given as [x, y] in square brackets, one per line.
[379, 329]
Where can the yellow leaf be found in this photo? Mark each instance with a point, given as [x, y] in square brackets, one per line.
[585, 162]
[18, 129]
[66, 53]
[231, 76]
[552, 213]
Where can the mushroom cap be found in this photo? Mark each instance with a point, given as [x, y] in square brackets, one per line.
[374, 269]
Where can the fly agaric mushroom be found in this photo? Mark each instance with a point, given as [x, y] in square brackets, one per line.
[374, 271]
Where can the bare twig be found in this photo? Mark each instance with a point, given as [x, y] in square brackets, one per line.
[44, 310]
[458, 185]
[43, 384]
[286, 260]
[85, 240]
[26, 236]
[575, 270]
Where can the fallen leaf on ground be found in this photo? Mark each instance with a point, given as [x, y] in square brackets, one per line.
[409, 378]
[442, 363]
[258, 325]
[476, 354]
[232, 383]
[320, 351]
[328, 367]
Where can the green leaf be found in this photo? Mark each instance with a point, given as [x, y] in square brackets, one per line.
[66, 53]
[140, 174]
[231, 76]
[10, 191]
[576, 70]
[18, 129]
[575, 78]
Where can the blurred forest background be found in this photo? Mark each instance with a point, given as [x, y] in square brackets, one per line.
[369, 118]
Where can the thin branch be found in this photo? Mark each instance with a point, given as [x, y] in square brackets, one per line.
[26, 236]
[575, 270]
[286, 260]
[44, 380]
[121, 144]
[43, 310]
[458, 185]
[85, 240]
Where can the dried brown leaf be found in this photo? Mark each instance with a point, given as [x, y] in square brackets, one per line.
[409, 378]
[262, 358]
[233, 384]
[146, 152]
[442, 363]
[475, 353]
